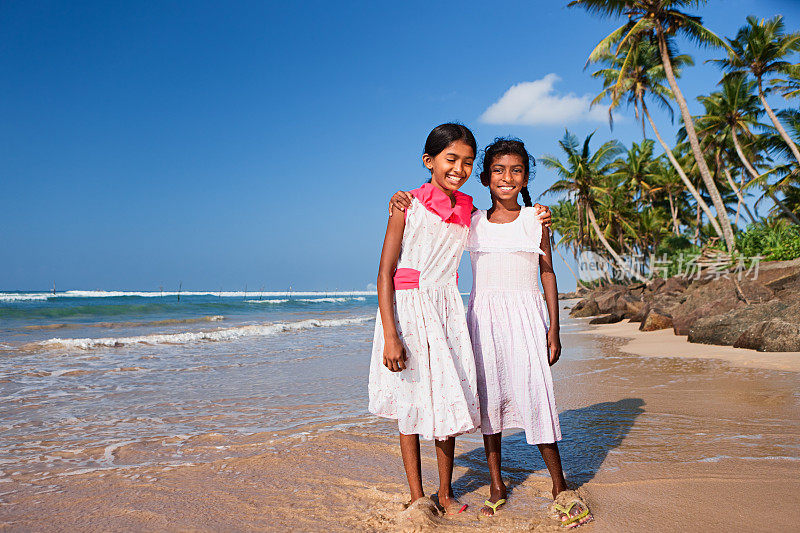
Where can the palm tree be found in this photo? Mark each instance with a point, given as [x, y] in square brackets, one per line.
[788, 174]
[761, 48]
[636, 170]
[672, 187]
[660, 22]
[729, 113]
[788, 86]
[644, 77]
[565, 223]
[732, 112]
[582, 178]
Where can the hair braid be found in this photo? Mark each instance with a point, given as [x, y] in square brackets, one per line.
[526, 197]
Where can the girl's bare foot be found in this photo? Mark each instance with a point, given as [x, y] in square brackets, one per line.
[450, 504]
[411, 502]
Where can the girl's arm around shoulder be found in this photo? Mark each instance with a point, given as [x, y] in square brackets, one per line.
[542, 212]
[548, 276]
[393, 353]
[400, 200]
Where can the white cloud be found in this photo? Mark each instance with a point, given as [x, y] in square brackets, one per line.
[535, 102]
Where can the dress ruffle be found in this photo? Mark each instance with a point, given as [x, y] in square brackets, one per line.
[524, 234]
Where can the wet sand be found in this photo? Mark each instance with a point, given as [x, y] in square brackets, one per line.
[664, 343]
[652, 443]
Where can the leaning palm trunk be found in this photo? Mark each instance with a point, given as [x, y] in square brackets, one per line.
[697, 221]
[753, 172]
[777, 123]
[716, 199]
[674, 212]
[608, 247]
[742, 203]
[554, 246]
[697, 198]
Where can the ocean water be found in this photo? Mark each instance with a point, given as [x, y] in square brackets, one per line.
[131, 392]
[84, 373]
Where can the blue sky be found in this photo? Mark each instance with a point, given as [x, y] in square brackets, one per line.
[224, 144]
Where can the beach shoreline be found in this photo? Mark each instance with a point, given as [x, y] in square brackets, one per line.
[285, 442]
[664, 343]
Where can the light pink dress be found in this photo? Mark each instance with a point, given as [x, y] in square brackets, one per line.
[507, 318]
[436, 396]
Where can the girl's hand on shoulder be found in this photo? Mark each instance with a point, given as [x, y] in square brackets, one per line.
[401, 201]
[394, 355]
[553, 345]
[543, 214]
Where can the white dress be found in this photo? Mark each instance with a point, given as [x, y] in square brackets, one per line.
[436, 396]
[507, 318]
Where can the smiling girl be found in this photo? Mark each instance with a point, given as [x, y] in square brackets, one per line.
[422, 371]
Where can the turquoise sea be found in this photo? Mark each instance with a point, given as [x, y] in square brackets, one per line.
[82, 372]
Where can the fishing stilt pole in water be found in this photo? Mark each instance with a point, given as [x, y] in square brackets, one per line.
[180, 286]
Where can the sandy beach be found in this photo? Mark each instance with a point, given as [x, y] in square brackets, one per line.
[664, 343]
[676, 442]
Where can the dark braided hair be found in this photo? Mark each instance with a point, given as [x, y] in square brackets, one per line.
[506, 146]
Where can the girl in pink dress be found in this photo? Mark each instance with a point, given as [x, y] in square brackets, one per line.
[422, 371]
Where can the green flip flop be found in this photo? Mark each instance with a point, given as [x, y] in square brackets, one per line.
[568, 520]
[494, 506]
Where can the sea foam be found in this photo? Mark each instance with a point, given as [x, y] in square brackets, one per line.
[225, 334]
[14, 296]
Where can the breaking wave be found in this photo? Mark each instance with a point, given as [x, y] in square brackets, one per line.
[225, 334]
[20, 296]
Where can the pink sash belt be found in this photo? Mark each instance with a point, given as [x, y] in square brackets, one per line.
[408, 278]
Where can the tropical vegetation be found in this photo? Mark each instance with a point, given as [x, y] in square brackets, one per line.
[641, 206]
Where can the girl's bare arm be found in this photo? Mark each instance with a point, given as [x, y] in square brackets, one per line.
[550, 296]
[393, 353]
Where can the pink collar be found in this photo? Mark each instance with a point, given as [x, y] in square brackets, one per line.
[436, 201]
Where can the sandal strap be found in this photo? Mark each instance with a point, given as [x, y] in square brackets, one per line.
[566, 511]
[495, 505]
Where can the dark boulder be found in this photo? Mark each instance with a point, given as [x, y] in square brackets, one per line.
[630, 306]
[607, 302]
[726, 328]
[773, 335]
[656, 319]
[655, 284]
[675, 284]
[611, 318]
[584, 308]
[703, 299]
[638, 315]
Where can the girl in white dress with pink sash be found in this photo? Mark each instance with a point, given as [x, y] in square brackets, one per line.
[422, 371]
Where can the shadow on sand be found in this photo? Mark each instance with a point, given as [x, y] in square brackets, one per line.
[590, 433]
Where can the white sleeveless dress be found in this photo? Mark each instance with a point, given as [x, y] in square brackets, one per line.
[507, 318]
[436, 396]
